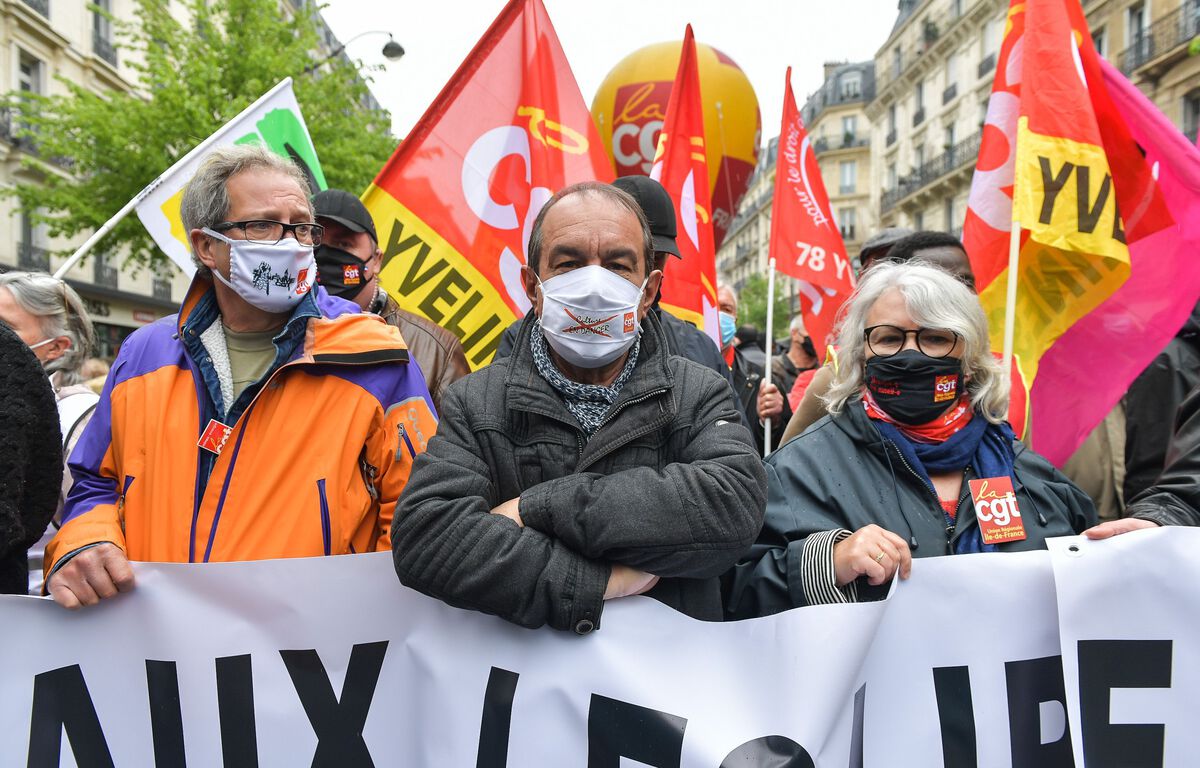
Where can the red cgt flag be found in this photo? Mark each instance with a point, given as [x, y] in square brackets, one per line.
[805, 242]
[689, 287]
[455, 203]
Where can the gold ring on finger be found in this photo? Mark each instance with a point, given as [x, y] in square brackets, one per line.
[879, 557]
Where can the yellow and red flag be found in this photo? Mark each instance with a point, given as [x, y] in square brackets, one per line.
[455, 203]
[1058, 161]
[689, 286]
[805, 241]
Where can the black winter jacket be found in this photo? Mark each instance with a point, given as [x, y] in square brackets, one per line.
[670, 484]
[841, 474]
[31, 462]
[1174, 499]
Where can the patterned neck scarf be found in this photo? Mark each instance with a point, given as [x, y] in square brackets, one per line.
[588, 403]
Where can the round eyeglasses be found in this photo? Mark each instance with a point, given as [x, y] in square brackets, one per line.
[887, 340]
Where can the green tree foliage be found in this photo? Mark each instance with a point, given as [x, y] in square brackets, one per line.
[752, 306]
[191, 79]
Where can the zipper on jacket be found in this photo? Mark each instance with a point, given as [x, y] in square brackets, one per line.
[324, 515]
[412, 452]
[933, 493]
[613, 414]
[121, 501]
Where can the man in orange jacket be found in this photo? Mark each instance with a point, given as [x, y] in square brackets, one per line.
[267, 419]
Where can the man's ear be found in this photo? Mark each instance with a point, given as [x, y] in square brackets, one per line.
[202, 246]
[529, 282]
[375, 263]
[653, 283]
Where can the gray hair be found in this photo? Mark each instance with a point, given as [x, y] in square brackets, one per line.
[206, 199]
[935, 300]
[596, 189]
[60, 312]
[797, 324]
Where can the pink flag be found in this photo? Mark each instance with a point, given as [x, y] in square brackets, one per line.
[1097, 358]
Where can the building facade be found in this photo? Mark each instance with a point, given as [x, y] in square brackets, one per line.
[933, 78]
[42, 41]
[1151, 42]
[744, 251]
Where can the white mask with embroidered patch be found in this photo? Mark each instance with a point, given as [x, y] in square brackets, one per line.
[273, 277]
[589, 315]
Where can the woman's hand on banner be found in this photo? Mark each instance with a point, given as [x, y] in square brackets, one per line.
[873, 552]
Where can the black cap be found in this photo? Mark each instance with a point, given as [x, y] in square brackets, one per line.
[659, 210]
[345, 209]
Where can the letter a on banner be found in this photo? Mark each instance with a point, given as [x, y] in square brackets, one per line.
[689, 286]
[455, 203]
[805, 241]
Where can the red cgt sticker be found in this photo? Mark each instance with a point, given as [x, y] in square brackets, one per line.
[214, 437]
[996, 510]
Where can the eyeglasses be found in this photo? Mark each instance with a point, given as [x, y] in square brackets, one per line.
[887, 340]
[269, 232]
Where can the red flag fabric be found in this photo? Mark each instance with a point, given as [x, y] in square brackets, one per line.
[1059, 159]
[455, 203]
[689, 286]
[805, 241]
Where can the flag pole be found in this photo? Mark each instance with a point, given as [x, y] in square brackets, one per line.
[770, 344]
[1010, 301]
[82, 251]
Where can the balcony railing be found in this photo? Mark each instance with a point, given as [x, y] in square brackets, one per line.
[962, 153]
[987, 65]
[33, 258]
[41, 6]
[1174, 30]
[103, 48]
[104, 273]
[949, 94]
[162, 288]
[847, 141]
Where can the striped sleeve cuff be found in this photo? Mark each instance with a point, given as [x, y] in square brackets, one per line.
[817, 577]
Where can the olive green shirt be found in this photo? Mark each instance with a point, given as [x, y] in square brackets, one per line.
[250, 356]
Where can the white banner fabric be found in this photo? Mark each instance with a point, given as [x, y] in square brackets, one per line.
[330, 661]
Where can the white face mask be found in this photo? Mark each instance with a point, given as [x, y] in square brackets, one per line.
[590, 315]
[273, 278]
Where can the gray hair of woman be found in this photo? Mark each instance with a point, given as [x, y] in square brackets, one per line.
[934, 300]
[205, 200]
[60, 312]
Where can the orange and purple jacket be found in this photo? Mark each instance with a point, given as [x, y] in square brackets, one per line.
[316, 456]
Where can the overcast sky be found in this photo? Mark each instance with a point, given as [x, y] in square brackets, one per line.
[763, 36]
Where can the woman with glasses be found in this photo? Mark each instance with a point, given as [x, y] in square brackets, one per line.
[915, 459]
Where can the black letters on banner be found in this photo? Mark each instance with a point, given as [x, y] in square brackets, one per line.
[61, 702]
[235, 708]
[769, 752]
[1108, 664]
[1031, 683]
[497, 719]
[166, 715]
[956, 713]
[338, 723]
[619, 729]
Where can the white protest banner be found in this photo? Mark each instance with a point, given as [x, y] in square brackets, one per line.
[330, 661]
[274, 120]
[1128, 611]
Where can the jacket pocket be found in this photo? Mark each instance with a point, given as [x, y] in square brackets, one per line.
[325, 535]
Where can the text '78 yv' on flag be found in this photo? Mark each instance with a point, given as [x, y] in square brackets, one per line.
[1058, 161]
[455, 203]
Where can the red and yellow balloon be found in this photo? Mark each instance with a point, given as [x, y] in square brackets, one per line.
[631, 104]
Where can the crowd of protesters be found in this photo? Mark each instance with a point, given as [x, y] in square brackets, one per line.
[609, 450]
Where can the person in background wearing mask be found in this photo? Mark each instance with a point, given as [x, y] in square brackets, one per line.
[30, 459]
[590, 464]
[265, 420]
[916, 459]
[49, 316]
[799, 356]
[348, 264]
[747, 377]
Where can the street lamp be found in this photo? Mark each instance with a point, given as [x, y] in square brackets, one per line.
[391, 49]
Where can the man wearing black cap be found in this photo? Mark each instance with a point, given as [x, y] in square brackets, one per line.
[683, 338]
[348, 264]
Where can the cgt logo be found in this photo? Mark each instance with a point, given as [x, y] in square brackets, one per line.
[640, 112]
[351, 274]
[945, 388]
[628, 328]
[302, 284]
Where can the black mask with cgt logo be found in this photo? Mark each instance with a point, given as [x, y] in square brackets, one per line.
[340, 272]
[914, 388]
